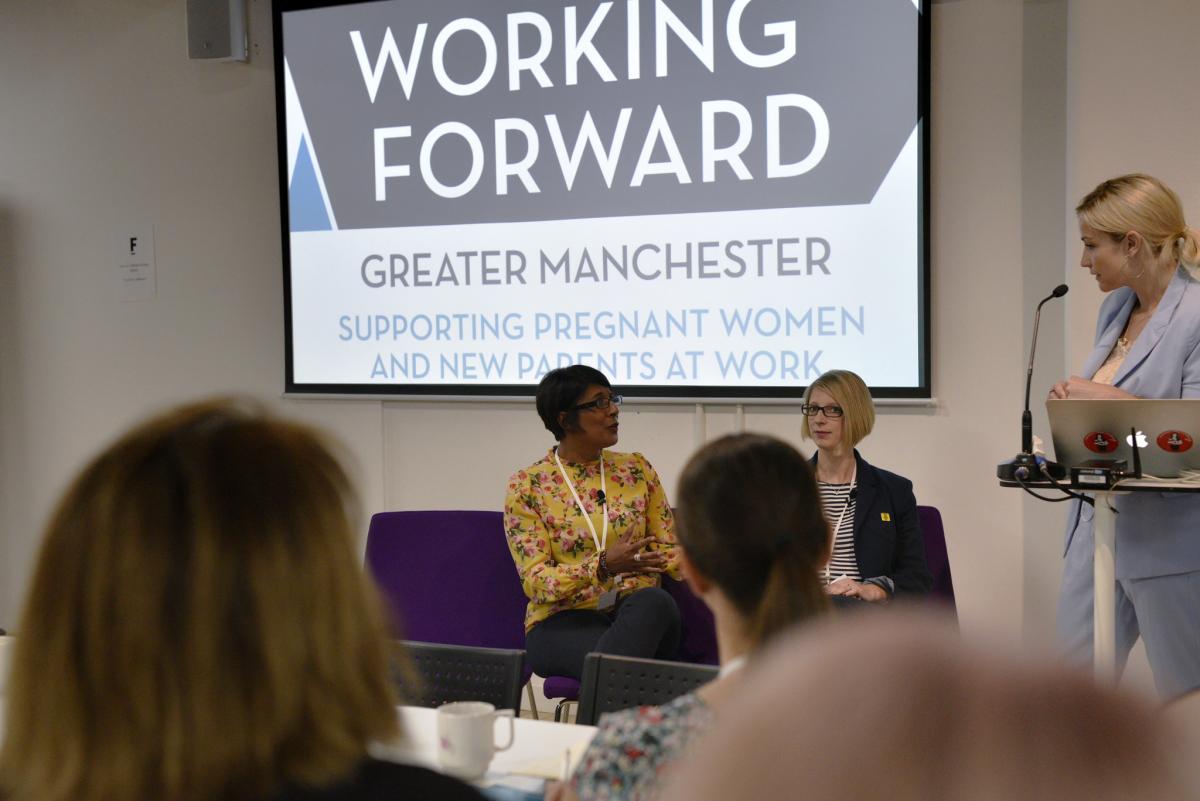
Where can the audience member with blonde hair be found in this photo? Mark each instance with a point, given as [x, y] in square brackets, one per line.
[753, 540]
[901, 709]
[1144, 255]
[198, 628]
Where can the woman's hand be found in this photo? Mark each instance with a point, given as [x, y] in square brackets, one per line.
[1082, 389]
[857, 589]
[628, 556]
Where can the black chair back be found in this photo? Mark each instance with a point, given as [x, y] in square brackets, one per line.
[448, 673]
[610, 683]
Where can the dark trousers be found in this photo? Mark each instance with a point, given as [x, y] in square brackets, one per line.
[645, 623]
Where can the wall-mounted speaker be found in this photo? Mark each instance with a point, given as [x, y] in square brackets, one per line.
[216, 29]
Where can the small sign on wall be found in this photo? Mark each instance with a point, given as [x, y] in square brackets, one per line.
[133, 248]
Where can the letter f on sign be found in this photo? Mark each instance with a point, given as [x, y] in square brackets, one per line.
[132, 245]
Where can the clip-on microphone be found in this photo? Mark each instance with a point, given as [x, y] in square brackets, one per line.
[1025, 465]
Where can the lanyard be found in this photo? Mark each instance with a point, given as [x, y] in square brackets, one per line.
[732, 666]
[838, 525]
[599, 540]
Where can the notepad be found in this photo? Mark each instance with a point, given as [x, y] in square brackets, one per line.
[552, 767]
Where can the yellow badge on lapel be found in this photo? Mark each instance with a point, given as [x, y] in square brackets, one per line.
[885, 517]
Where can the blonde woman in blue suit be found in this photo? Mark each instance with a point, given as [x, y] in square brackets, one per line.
[1141, 252]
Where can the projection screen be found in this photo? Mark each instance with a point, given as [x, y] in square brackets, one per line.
[702, 198]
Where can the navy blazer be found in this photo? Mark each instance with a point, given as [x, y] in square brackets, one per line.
[887, 532]
[1158, 534]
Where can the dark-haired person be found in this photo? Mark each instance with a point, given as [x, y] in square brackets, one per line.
[753, 539]
[1144, 254]
[878, 549]
[199, 629]
[590, 531]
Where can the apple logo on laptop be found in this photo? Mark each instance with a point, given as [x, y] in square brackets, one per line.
[1142, 442]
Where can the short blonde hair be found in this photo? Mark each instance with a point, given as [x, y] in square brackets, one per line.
[851, 393]
[1146, 205]
[198, 626]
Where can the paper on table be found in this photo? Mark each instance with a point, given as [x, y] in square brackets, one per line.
[550, 767]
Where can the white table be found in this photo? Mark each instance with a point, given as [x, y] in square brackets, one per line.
[538, 749]
[539, 746]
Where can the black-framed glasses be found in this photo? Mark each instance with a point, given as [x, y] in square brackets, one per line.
[831, 411]
[600, 403]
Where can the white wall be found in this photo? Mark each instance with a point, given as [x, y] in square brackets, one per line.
[104, 121]
[1132, 106]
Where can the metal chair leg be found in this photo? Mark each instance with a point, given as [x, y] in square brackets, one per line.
[532, 703]
[558, 710]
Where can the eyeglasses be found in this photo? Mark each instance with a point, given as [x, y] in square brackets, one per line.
[600, 403]
[811, 409]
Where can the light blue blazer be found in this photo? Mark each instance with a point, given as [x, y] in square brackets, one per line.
[1158, 534]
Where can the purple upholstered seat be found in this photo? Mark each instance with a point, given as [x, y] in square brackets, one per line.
[936, 556]
[697, 630]
[448, 578]
[561, 687]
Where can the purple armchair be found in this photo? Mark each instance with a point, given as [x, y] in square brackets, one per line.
[447, 577]
[936, 556]
[697, 630]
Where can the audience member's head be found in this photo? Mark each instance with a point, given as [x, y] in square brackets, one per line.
[750, 522]
[897, 707]
[198, 626]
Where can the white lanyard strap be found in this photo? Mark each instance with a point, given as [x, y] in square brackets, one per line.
[732, 666]
[599, 540]
[838, 525]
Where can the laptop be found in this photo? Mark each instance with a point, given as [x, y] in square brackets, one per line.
[1168, 433]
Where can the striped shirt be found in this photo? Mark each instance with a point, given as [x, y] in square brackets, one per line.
[834, 499]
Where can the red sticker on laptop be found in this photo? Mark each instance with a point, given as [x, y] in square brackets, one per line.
[1100, 442]
[1175, 441]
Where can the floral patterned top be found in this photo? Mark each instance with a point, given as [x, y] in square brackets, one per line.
[552, 544]
[634, 749]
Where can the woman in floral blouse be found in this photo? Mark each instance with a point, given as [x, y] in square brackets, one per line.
[753, 540]
[590, 531]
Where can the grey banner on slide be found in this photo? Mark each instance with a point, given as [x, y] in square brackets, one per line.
[857, 59]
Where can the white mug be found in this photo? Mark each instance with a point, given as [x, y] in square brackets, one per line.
[466, 737]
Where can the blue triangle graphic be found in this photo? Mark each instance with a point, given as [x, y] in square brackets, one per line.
[306, 204]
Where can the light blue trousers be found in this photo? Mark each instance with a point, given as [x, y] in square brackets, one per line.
[1163, 610]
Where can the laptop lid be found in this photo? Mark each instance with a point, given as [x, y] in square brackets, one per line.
[1168, 432]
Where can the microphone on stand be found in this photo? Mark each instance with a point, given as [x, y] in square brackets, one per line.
[1024, 465]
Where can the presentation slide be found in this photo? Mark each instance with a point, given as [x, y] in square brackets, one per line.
[701, 198]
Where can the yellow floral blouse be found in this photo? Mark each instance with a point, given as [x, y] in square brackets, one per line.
[552, 545]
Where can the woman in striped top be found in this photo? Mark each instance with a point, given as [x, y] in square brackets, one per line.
[878, 552]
